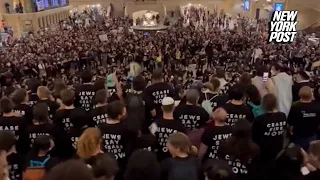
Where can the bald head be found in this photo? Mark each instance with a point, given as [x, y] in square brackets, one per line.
[305, 93]
[220, 115]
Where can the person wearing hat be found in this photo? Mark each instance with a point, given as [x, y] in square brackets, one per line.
[166, 126]
[114, 87]
[302, 79]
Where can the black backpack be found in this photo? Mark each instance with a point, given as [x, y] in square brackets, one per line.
[183, 170]
[135, 112]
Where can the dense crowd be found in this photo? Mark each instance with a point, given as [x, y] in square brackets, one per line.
[92, 99]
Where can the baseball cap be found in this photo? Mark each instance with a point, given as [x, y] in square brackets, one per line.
[167, 101]
[109, 81]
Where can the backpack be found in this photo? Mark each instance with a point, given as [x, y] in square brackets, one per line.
[183, 170]
[256, 110]
[136, 112]
[35, 170]
[206, 104]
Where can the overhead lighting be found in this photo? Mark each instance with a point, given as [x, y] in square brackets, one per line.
[189, 4]
[88, 6]
[98, 5]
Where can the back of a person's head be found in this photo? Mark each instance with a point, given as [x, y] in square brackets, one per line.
[167, 105]
[142, 165]
[33, 85]
[279, 67]
[19, 96]
[253, 94]
[101, 96]
[157, 74]
[99, 84]
[245, 78]
[104, 166]
[6, 105]
[40, 112]
[43, 92]
[218, 170]
[115, 109]
[215, 83]
[67, 97]
[138, 83]
[59, 85]
[192, 96]
[269, 102]
[41, 143]
[236, 92]
[220, 115]
[180, 143]
[86, 76]
[72, 169]
[88, 143]
[305, 93]
[240, 145]
[7, 140]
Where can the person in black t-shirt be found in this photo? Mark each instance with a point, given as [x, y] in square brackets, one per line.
[39, 153]
[20, 100]
[33, 85]
[158, 90]
[218, 169]
[191, 115]
[235, 108]
[302, 79]
[164, 127]
[85, 92]
[80, 124]
[268, 129]
[304, 118]
[213, 136]
[99, 114]
[46, 97]
[216, 99]
[10, 122]
[142, 165]
[62, 117]
[15, 160]
[240, 151]
[183, 164]
[117, 138]
[42, 126]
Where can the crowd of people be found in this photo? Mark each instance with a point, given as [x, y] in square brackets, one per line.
[195, 102]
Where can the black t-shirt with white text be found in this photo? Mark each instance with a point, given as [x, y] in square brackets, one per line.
[236, 112]
[62, 143]
[212, 138]
[16, 125]
[117, 140]
[305, 119]
[267, 132]
[15, 163]
[84, 95]
[157, 92]
[74, 135]
[62, 118]
[99, 115]
[166, 127]
[25, 111]
[191, 116]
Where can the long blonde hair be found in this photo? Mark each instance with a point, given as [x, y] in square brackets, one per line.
[88, 143]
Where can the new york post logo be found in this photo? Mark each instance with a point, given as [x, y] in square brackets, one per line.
[283, 27]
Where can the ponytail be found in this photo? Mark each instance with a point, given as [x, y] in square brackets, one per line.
[193, 151]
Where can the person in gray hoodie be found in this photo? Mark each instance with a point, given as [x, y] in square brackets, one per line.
[282, 87]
